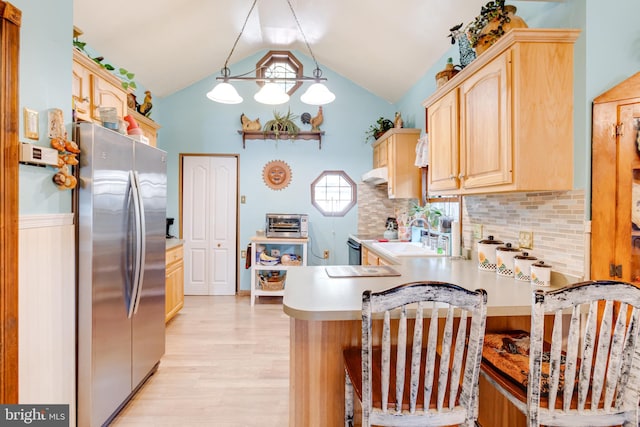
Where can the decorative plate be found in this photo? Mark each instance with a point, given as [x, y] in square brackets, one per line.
[276, 174]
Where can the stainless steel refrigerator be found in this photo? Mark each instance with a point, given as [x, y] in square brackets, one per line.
[121, 269]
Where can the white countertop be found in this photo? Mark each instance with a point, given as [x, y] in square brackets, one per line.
[310, 294]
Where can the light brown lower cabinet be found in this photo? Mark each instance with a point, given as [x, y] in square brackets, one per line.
[174, 282]
[370, 257]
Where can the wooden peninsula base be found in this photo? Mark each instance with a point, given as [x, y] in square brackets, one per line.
[316, 384]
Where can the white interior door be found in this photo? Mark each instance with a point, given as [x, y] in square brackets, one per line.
[209, 209]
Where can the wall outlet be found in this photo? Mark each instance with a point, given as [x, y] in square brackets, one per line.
[477, 231]
[525, 239]
[325, 255]
[243, 254]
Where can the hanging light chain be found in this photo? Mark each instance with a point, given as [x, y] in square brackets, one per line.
[293, 12]
[225, 70]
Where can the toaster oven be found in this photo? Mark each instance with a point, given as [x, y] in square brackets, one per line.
[295, 226]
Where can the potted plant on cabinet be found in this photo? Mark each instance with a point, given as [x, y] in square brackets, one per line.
[377, 130]
[494, 20]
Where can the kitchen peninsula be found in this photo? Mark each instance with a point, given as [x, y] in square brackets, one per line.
[325, 317]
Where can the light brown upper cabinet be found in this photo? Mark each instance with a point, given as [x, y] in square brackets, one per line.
[615, 183]
[505, 122]
[93, 88]
[396, 150]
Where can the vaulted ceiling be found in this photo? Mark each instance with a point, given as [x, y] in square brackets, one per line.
[384, 46]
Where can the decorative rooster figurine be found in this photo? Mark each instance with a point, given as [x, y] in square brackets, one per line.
[317, 121]
[145, 108]
[248, 124]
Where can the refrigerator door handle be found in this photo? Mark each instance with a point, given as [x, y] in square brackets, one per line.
[143, 243]
[136, 263]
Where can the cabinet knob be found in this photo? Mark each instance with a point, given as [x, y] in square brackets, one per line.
[219, 245]
[461, 176]
[452, 176]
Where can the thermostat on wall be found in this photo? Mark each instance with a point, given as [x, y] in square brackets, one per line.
[35, 154]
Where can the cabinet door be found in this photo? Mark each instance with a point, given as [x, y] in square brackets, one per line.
[486, 143]
[105, 94]
[150, 133]
[80, 88]
[627, 205]
[174, 298]
[444, 143]
[380, 155]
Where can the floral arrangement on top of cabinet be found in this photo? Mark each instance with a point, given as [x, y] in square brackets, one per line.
[505, 122]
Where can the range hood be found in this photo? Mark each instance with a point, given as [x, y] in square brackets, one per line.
[376, 176]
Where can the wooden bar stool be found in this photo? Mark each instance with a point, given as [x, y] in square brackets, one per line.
[588, 376]
[421, 386]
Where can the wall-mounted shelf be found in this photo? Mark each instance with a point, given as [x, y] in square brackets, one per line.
[305, 135]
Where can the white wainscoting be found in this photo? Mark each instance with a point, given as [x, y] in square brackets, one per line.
[47, 307]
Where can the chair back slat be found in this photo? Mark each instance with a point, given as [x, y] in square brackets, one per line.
[602, 354]
[555, 358]
[572, 357]
[416, 355]
[586, 358]
[617, 343]
[456, 367]
[432, 342]
[630, 363]
[445, 356]
[385, 360]
[401, 357]
[535, 357]
[367, 346]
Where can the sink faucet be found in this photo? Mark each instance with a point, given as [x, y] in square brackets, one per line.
[425, 223]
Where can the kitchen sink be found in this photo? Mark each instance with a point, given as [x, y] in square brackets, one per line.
[404, 249]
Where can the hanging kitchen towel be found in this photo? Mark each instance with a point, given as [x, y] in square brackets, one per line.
[422, 151]
[247, 263]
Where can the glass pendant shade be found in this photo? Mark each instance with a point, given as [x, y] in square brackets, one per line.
[224, 93]
[317, 94]
[271, 94]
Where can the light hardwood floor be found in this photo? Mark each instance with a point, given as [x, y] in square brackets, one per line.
[226, 364]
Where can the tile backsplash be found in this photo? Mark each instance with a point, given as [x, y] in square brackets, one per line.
[374, 207]
[555, 218]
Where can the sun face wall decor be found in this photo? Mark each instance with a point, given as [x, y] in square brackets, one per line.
[276, 174]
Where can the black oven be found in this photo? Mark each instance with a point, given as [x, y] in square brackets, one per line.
[355, 252]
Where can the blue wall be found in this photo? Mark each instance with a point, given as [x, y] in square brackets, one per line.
[45, 82]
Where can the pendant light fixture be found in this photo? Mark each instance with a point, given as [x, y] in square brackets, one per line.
[271, 93]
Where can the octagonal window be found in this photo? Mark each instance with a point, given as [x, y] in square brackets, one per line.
[333, 193]
[280, 64]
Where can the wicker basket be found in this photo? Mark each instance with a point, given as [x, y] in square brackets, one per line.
[273, 281]
[291, 262]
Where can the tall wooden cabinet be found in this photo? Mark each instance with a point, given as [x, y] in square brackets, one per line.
[505, 122]
[615, 183]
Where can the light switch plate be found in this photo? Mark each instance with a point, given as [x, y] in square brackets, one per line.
[525, 239]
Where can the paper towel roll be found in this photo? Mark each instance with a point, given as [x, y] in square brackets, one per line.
[455, 238]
